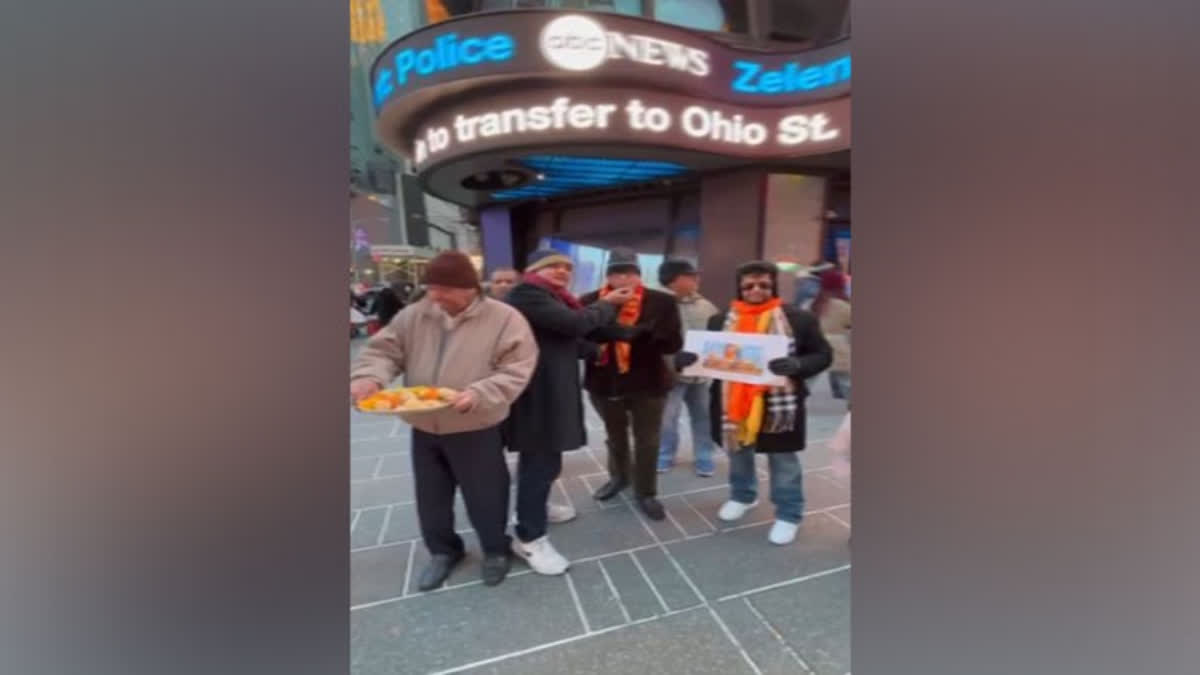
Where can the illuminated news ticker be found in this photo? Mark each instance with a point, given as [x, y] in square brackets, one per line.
[696, 121]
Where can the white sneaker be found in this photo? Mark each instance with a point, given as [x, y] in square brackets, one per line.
[732, 511]
[560, 513]
[541, 556]
[783, 533]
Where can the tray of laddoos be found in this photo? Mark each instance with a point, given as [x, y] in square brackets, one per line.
[406, 400]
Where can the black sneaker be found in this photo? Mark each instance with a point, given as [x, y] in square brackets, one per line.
[495, 568]
[438, 569]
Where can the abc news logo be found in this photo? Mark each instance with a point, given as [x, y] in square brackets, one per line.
[580, 43]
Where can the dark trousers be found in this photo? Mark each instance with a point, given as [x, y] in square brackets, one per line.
[475, 461]
[536, 472]
[645, 411]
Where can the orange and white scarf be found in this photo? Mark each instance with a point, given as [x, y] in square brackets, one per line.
[628, 316]
[749, 408]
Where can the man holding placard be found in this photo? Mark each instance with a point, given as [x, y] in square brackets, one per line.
[763, 412]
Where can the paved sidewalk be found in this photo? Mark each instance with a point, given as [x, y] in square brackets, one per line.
[689, 595]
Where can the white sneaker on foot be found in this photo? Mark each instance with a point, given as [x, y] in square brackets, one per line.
[560, 513]
[541, 556]
[732, 511]
[783, 533]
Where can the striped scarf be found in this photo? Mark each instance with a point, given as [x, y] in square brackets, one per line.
[752, 409]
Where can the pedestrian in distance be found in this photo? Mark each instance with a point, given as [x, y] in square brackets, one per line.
[628, 380]
[683, 280]
[548, 418]
[752, 419]
[502, 281]
[832, 309]
[457, 338]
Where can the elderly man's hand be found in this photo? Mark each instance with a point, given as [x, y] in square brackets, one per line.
[466, 401]
[362, 388]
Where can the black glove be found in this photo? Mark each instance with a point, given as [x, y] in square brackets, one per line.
[685, 359]
[788, 366]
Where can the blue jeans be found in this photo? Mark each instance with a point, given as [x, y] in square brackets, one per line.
[787, 482]
[696, 397]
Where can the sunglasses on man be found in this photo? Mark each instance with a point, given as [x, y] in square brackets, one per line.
[763, 285]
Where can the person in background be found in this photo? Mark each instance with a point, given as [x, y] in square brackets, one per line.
[388, 302]
[682, 279]
[547, 419]
[629, 378]
[832, 308]
[502, 281]
[460, 339]
[750, 419]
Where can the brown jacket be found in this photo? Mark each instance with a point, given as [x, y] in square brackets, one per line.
[488, 349]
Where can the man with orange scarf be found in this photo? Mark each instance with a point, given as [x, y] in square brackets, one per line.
[629, 379]
[750, 419]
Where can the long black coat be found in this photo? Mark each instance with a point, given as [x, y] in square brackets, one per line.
[659, 333]
[814, 355]
[548, 416]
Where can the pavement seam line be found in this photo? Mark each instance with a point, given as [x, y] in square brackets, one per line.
[548, 645]
[697, 512]
[408, 570]
[789, 582]
[587, 628]
[354, 520]
[653, 589]
[378, 468]
[387, 521]
[839, 520]
[674, 522]
[787, 648]
[616, 594]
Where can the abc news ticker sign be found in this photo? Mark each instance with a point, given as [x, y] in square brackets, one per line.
[565, 46]
[620, 116]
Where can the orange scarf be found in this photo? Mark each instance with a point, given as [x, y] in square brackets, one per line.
[628, 316]
[741, 396]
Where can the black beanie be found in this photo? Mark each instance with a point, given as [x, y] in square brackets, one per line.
[672, 269]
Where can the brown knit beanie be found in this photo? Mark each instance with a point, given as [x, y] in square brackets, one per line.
[453, 269]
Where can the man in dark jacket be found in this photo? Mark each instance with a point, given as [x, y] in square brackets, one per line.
[770, 420]
[388, 303]
[548, 417]
[629, 378]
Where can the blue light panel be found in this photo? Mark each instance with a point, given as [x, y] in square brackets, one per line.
[565, 174]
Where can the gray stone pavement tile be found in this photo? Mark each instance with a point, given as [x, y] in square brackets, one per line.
[382, 491]
[772, 654]
[396, 465]
[684, 479]
[599, 532]
[363, 468]
[842, 514]
[446, 629]
[814, 618]
[366, 529]
[632, 589]
[378, 574]
[685, 518]
[373, 446]
[600, 605]
[740, 560]
[673, 588]
[688, 643]
[403, 525]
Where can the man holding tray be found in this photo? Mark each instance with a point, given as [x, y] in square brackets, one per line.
[750, 418]
[456, 338]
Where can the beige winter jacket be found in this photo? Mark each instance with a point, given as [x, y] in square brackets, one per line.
[488, 349]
